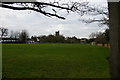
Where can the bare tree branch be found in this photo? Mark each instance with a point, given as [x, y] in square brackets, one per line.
[40, 7]
[103, 21]
[95, 12]
[82, 8]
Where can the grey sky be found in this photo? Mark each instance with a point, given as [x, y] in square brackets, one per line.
[38, 24]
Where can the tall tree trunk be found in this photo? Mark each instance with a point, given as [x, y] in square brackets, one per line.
[114, 15]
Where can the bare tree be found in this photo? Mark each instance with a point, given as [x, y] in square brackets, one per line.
[92, 35]
[4, 32]
[23, 36]
[14, 34]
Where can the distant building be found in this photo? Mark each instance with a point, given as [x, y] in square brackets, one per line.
[7, 40]
[83, 40]
[93, 43]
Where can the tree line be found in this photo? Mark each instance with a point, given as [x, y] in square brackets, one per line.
[14, 37]
[100, 37]
[23, 37]
[55, 39]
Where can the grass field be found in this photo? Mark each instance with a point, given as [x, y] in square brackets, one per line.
[54, 61]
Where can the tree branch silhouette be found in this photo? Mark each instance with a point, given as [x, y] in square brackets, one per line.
[40, 7]
[82, 8]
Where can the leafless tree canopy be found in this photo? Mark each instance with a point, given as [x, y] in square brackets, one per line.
[41, 7]
[3, 31]
[104, 20]
[94, 11]
[53, 9]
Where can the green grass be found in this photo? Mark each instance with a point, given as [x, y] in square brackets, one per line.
[54, 61]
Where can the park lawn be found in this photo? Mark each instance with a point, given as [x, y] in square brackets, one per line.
[54, 61]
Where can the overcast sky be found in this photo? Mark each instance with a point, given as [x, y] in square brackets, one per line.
[38, 24]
